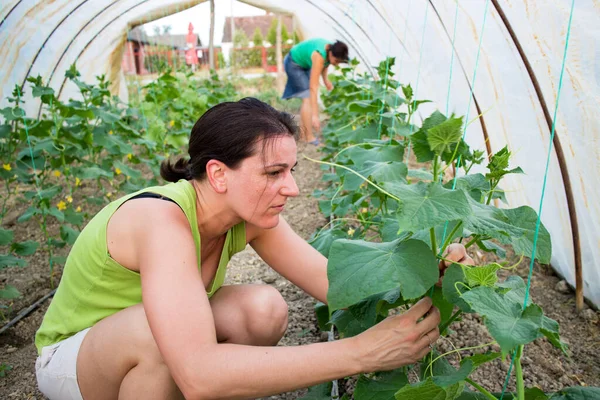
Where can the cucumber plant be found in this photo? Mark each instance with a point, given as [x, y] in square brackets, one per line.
[390, 226]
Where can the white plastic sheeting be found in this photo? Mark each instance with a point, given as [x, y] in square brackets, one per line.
[419, 34]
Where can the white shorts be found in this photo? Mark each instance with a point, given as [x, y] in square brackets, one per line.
[56, 369]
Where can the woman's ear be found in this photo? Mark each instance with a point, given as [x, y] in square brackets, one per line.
[215, 172]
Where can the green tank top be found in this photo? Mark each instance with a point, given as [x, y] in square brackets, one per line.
[94, 286]
[302, 52]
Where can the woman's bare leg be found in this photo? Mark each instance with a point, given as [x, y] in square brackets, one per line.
[120, 359]
[306, 132]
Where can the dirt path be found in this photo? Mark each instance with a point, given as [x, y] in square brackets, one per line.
[544, 366]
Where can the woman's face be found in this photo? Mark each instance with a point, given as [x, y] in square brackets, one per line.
[259, 189]
[333, 60]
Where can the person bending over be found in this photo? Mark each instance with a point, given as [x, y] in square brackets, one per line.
[141, 310]
[304, 64]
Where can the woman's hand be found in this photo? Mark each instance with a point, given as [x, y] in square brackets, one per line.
[455, 253]
[399, 340]
[329, 85]
[316, 123]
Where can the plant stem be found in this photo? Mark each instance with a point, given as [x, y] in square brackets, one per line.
[435, 168]
[449, 238]
[489, 199]
[433, 241]
[357, 174]
[519, 374]
[481, 389]
[471, 242]
[447, 324]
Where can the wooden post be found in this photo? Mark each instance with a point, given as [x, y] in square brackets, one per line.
[211, 47]
[279, 56]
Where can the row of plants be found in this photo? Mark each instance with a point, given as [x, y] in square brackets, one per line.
[84, 152]
[390, 225]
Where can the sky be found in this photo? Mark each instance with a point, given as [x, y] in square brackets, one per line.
[199, 16]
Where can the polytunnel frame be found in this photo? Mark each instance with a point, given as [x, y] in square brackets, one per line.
[556, 140]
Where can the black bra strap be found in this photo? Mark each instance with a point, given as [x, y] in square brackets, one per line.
[151, 196]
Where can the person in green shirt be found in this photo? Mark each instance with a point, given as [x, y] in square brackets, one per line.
[304, 64]
[141, 310]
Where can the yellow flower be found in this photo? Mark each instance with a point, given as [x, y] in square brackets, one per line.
[117, 171]
[108, 194]
[77, 181]
[129, 156]
[56, 173]
[364, 210]
[6, 167]
[351, 232]
[61, 205]
[172, 123]
[110, 132]
[78, 209]
[69, 199]
[353, 127]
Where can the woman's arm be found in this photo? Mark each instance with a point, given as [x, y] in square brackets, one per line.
[291, 256]
[326, 81]
[318, 63]
[181, 320]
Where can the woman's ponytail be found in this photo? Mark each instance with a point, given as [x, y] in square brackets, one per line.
[173, 172]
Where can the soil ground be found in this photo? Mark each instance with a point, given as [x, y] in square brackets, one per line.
[544, 366]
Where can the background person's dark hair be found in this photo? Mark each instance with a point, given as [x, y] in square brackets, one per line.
[228, 133]
[339, 50]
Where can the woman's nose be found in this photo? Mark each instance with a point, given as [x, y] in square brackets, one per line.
[290, 188]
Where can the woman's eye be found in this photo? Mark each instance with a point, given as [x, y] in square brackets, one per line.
[274, 173]
[293, 170]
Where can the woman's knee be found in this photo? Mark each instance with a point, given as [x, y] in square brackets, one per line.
[267, 316]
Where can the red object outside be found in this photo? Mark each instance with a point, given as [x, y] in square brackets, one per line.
[191, 57]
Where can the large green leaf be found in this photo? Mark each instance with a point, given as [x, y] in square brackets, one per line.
[485, 275]
[434, 119]
[511, 226]
[382, 386]
[577, 393]
[319, 392]
[421, 147]
[444, 137]
[425, 205]
[363, 106]
[442, 231]
[429, 390]
[391, 171]
[361, 154]
[357, 135]
[474, 184]
[6, 236]
[68, 234]
[91, 173]
[505, 319]
[453, 285]
[442, 304]
[366, 313]
[9, 292]
[359, 269]
[26, 248]
[106, 116]
[30, 212]
[322, 242]
[7, 260]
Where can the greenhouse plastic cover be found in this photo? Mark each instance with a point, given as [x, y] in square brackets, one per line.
[45, 38]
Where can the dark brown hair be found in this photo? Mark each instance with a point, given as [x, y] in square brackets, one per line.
[228, 132]
[339, 50]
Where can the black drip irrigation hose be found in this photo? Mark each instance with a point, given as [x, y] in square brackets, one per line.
[26, 312]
